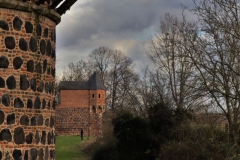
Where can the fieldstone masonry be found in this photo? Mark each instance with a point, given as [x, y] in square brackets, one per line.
[27, 78]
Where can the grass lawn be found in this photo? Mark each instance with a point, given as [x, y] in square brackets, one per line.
[69, 148]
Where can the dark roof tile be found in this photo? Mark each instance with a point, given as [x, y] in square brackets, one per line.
[73, 85]
[94, 83]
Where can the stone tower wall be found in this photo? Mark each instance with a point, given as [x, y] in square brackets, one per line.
[27, 77]
[95, 124]
[70, 120]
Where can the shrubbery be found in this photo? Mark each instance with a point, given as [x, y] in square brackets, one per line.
[104, 148]
[133, 134]
[196, 142]
[167, 133]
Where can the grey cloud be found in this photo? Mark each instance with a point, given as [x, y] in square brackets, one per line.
[104, 15]
[127, 15]
[117, 24]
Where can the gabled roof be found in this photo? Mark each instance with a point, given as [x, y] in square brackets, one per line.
[94, 83]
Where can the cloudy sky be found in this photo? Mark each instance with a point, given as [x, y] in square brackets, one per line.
[126, 25]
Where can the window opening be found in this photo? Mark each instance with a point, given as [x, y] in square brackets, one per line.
[100, 108]
[94, 109]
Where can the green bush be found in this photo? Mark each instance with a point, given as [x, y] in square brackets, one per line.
[106, 152]
[164, 122]
[133, 137]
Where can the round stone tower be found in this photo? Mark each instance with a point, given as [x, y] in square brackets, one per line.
[27, 78]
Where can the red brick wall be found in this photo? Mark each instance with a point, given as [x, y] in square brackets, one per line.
[69, 98]
[96, 100]
[82, 98]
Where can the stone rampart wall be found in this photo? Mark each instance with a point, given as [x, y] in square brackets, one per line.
[70, 120]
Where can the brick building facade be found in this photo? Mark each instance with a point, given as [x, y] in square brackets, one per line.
[81, 106]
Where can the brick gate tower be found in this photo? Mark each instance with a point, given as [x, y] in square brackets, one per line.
[82, 104]
[27, 77]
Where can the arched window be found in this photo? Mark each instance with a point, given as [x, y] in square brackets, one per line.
[94, 109]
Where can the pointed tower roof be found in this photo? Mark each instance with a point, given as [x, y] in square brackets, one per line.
[95, 82]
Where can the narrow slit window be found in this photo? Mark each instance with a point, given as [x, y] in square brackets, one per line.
[93, 96]
[99, 95]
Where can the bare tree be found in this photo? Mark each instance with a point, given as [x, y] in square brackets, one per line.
[151, 88]
[79, 71]
[214, 51]
[120, 79]
[100, 58]
[173, 68]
